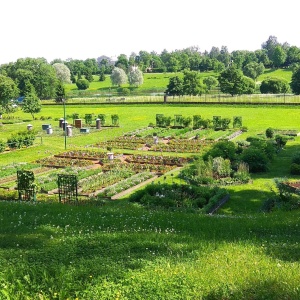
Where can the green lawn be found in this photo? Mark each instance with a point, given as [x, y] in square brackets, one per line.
[124, 251]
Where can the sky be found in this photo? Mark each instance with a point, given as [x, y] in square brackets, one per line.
[91, 28]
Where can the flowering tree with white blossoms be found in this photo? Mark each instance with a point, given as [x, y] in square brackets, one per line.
[62, 72]
[135, 76]
[118, 77]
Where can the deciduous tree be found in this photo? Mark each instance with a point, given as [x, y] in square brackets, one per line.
[62, 72]
[175, 86]
[118, 77]
[135, 76]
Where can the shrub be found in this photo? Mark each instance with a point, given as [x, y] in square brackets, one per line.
[296, 158]
[225, 149]
[270, 133]
[2, 146]
[274, 86]
[102, 118]
[295, 169]
[256, 159]
[178, 196]
[82, 84]
[281, 140]
[22, 138]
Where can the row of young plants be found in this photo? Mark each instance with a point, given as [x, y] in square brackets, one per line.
[63, 162]
[138, 167]
[11, 169]
[101, 180]
[9, 173]
[47, 183]
[182, 146]
[118, 145]
[83, 154]
[125, 184]
[152, 159]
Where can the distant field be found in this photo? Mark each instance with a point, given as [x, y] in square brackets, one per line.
[153, 83]
[280, 73]
[156, 83]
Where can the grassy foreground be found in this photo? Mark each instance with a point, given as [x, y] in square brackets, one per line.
[123, 251]
[51, 251]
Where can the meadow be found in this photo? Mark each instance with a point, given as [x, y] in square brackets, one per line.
[123, 251]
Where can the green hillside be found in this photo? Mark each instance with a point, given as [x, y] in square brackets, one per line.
[157, 82]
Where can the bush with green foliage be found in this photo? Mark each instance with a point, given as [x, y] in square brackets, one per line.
[2, 146]
[270, 133]
[295, 82]
[82, 84]
[102, 118]
[20, 139]
[115, 120]
[175, 196]
[102, 76]
[224, 149]
[123, 91]
[199, 172]
[295, 166]
[256, 159]
[274, 86]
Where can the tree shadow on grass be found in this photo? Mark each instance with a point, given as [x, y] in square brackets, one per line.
[254, 290]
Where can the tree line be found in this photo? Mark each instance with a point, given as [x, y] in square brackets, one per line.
[35, 78]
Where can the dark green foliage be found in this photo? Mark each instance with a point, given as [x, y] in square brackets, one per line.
[60, 92]
[8, 91]
[102, 118]
[253, 69]
[270, 133]
[281, 140]
[102, 76]
[296, 158]
[225, 123]
[73, 78]
[89, 76]
[233, 82]
[175, 86]
[115, 120]
[75, 116]
[82, 84]
[274, 86]
[295, 82]
[256, 159]
[237, 122]
[224, 149]
[295, 169]
[196, 121]
[217, 122]
[123, 91]
[191, 83]
[23, 138]
[178, 196]
[88, 119]
[162, 121]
